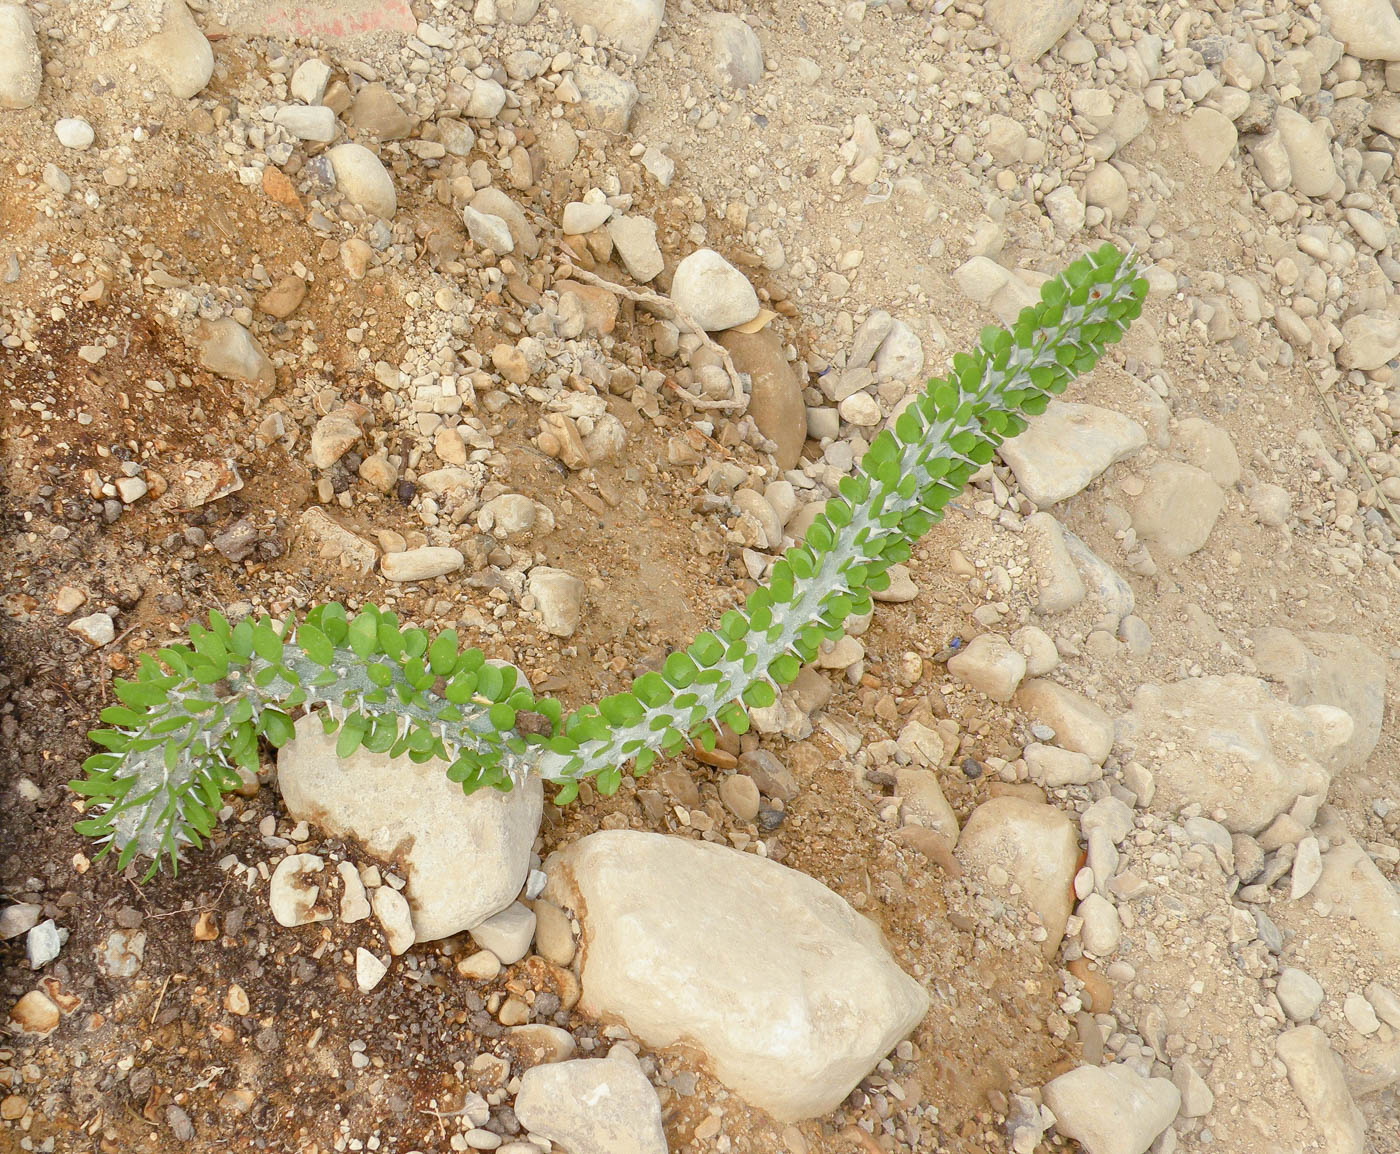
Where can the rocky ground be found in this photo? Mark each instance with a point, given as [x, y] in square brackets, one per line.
[556, 324]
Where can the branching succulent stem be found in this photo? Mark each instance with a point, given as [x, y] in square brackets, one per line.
[191, 720]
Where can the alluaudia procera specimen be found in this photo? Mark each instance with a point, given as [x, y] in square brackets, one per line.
[194, 713]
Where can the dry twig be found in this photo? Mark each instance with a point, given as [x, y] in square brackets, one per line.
[665, 304]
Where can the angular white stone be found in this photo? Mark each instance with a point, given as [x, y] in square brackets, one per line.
[592, 1106]
[229, 350]
[464, 857]
[354, 905]
[989, 665]
[488, 232]
[507, 934]
[1111, 1109]
[74, 132]
[1317, 1077]
[635, 240]
[391, 908]
[583, 216]
[712, 292]
[308, 83]
[559, 597]
[1370, 340]
[791, 994]
[1067, 446]
[369, 970]
[307, 121]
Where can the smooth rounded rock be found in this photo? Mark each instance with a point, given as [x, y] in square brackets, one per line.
[1178, 508]
[712, 292]
[180, 52]
[507, 934]
[421, 564]
[775, 398]
[21, 65]
[465, 857]
[74, 132]
[1079, 724]
[364, 180]
[1030, 28]
[1066, 447]
[1370, 340]
[736, 56]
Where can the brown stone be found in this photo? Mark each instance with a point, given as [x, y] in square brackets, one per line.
[775, 398]
[278, 187]
[599, 306]
[283, 298]
[34, 1013]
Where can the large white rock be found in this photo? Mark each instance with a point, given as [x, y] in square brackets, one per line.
[1317, 1077]
[1309, 153]
[1067, 446]
[989, 665]
[21, 66]
[421, 564]
[791, 994]
[1030, 28]
[180, 52]
[364, 180]
[465, 858]
[1228, 743]
[628, 24]
[1370, 340]
[1013, 840]
[1178, 508]
[1079, 724]
[1329, 669]
[1111, 1109]
[1370, 29]
[712, 292]
[559, 598]
[592, 1106]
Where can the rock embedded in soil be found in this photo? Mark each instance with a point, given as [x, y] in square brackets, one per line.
[464, 857]
[1067, 446]
[736, 56]
[1030, 28]
[1355, 889]
[775, 397]
[488, 232]
[392, 910]
[592, 1106]
[712, 292]
[1370, 340]
[634, 238]
[1013, 839]
[1178, 509]
[34, 1013]
[1309, 152]
[369, 970]
[628, 24]
[1210, 137]
[21, 66]
[363, 179]
[308, 83]
[1059, 586]
[1228, 743]
[74, 132]
[335, 435]
[307, 122]
[1111, 1109]
[559, 598]
[421, 564]
[179, 52]
[294, 895]
[229, 350]
[989, 665]
[607, 99]
[1317, 1077]
[97, 629]
[1078, 723]
[792, 996]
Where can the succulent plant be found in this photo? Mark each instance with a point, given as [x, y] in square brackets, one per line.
[193, 715]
